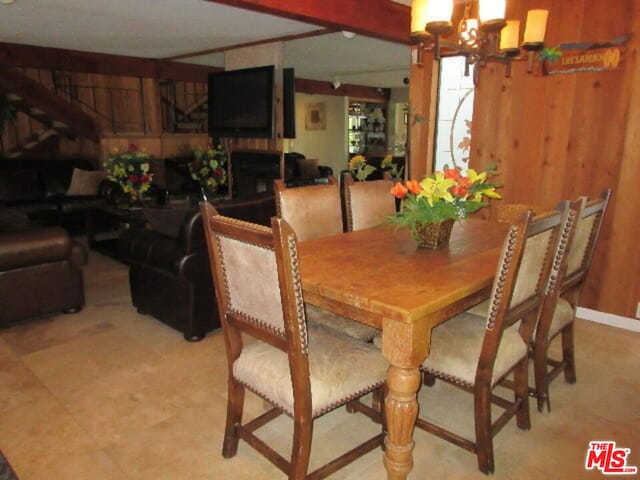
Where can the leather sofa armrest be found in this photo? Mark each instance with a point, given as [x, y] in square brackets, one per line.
[191, 237]
[33, 247]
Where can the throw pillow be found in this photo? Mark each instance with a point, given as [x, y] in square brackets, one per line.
[166, 220]
[12, 220]
[85, 182]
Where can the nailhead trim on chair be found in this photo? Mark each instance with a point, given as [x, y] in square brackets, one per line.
[559, 254]
[297, 288]
[504, 268]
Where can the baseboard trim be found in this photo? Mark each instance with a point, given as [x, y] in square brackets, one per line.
[617, 321]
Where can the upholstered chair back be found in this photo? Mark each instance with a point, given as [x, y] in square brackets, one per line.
[511, 212]
[367, 204]
[586, 235]
[523, 269]
[247, 280]
[312, 211]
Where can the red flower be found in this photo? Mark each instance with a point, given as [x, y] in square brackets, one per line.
[452, 173]
[464, 182]
[458, 191]
[133, 179]
[145, 179]
[399, 190]
[195, 164]
[133, 147]
[217, 173]
[414, 187]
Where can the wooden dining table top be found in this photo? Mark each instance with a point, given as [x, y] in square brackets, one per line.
[382, 273]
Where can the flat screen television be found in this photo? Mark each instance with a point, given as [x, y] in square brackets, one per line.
[241, 103]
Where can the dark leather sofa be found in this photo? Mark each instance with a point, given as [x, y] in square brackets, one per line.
[39, 269]
[169, 272]
[38, 188]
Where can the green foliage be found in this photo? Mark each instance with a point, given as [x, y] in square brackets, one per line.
[416, 210]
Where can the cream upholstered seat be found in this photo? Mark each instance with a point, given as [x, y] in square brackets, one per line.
[559, 307]
[340, 324]
[476, 353]
[459, 346]
[315, 211]
[304, 372]
[367, 204]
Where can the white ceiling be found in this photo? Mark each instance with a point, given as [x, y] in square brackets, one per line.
[166, 28]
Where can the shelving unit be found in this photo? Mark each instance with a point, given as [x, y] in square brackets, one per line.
[367, 128]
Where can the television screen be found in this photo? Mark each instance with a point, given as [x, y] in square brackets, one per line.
[241, 103]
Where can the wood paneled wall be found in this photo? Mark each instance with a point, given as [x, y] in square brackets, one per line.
[122, 105]
[564, 136]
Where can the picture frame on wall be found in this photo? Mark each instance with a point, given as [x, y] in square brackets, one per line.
[315, 116]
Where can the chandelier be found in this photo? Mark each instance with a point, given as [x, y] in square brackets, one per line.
[487, 37]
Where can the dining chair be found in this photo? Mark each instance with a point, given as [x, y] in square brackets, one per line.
[560, 302]
[367, 204]
[511, 212]
[475, 353]
[313, 210]
[302, 372]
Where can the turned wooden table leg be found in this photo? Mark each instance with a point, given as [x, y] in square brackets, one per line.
[405, 346]
[401, 410]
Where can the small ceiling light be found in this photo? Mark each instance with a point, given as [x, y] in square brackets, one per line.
[7, 2]
[348, 34]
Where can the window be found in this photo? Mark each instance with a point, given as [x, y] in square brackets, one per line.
[454, 115]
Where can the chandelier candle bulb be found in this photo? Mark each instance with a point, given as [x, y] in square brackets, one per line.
[438, 16]
[492, 10]
[535, 29]
[510, 36]
[418, 16]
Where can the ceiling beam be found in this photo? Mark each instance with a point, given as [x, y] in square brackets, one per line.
[314, 33]
[304, 85]
[27, 56]
[382, 19]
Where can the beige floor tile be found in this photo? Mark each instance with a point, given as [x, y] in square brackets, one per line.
[18, 385]
[83, 466]
[5, 348]
[48, 332]
[39, 433]
[68, 368]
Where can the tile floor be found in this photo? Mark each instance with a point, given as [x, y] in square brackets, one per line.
[109, 394]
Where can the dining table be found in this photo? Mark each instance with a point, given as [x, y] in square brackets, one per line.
[381, 277]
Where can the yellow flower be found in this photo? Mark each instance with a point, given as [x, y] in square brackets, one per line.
[475, 177]
[387, 161]
[436, 188]
[356, 162]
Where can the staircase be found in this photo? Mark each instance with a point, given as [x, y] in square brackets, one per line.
[57, 116]
[176, 119]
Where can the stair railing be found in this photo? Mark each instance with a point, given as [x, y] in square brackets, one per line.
[129, 101]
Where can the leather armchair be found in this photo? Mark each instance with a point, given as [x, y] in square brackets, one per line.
[39, 273]
[169, 272]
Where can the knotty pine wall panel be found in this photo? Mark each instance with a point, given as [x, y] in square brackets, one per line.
[564, 136]
[101, 93]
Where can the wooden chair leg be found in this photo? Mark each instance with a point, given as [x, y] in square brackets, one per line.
[301, 449]
[568, 354]
[235, 405]
[541, 376]
[521, 392]
[484, 436]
